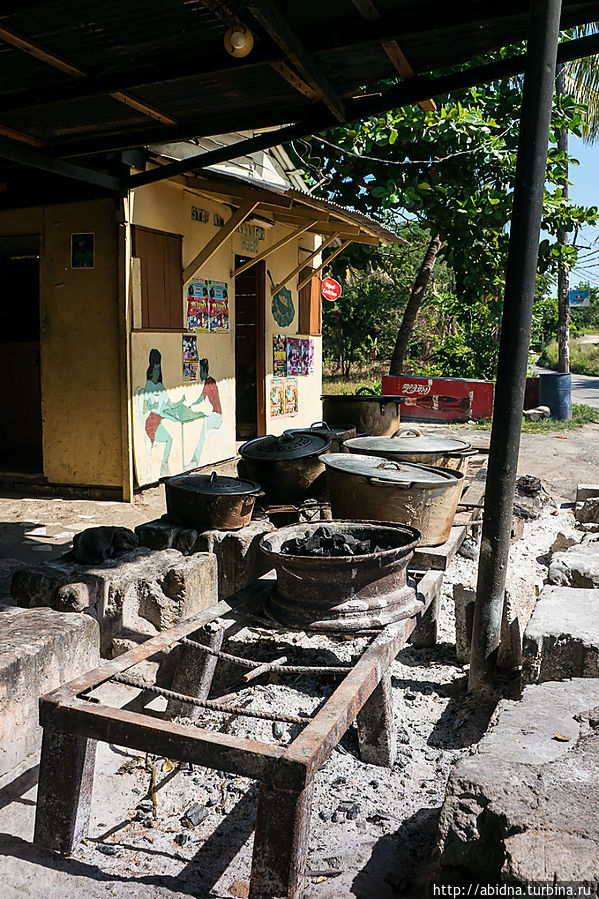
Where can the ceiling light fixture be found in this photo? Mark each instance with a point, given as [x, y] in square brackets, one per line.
[239, 40]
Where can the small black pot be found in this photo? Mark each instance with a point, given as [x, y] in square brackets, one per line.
[206, 502]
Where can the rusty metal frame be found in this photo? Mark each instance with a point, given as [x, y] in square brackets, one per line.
[72, 722]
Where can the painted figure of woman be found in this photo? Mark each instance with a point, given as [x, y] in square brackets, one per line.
[209, 397]
[156, 403]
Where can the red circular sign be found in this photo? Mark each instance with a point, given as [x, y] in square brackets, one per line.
[331, 289]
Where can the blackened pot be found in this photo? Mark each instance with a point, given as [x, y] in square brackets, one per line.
[206, 502]
[287, 467]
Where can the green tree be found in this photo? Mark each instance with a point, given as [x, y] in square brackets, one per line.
[452, 170]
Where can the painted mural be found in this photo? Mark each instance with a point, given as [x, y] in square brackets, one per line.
[175, 425]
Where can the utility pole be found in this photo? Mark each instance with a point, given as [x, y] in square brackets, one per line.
[520, 278]
[563, 279]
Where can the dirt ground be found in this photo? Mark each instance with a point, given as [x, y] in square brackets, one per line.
[372, 829]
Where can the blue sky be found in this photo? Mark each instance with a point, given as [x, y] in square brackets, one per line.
[585, 190]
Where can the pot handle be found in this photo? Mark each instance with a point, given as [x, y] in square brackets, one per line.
[365, 391]
[320, 424]
[379, 482]
[462, 454]
[408, 432]
[212, 478]
[285, 437]
[389, 463]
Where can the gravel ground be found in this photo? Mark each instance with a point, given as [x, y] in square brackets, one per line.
[373, 829]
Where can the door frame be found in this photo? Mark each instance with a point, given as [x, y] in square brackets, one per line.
[259, 271]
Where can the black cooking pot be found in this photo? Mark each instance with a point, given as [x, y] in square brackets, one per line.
[370, 412]
[338, 434]
[287, 467]
[204, 502]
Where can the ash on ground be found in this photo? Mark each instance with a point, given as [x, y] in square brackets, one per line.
[373, 829]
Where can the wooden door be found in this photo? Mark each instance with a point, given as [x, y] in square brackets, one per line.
[250, 323]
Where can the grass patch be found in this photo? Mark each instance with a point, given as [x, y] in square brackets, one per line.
[371, 377]
[581, 415]
[584, 357]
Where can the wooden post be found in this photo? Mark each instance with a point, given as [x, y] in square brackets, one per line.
[64, 790]
[281, 843]
[376, 726]
[520, 279]
[193, 675]
[218, 240]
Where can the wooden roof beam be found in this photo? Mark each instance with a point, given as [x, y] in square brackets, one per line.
[217, 241]
[26, 156]
[269, 16]
[269, 250]
[329, 258]
[57, 62]
[303, 264]
[368, 11]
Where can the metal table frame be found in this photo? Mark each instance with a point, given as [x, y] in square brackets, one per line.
[73, 722]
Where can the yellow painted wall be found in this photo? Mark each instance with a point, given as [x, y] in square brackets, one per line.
[79, 343]
[168, 207]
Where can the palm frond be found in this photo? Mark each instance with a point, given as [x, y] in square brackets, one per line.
[582, 82]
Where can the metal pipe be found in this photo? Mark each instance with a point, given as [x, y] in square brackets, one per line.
[510, 385]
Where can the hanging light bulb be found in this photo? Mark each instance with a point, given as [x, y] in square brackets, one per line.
[239, 40]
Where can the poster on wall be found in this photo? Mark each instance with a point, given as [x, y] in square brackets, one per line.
[307, 356]
[219, 306]
[190, 357]
[294, 356]
[279, 355]
[82, 250]
[291, 398]
[277, 397]
[190, 371]
[198, 306]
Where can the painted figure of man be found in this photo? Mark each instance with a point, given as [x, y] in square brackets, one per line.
[156, 404]
[209, 398]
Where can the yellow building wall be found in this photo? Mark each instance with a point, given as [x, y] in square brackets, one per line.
[79, 343]
[197, 442]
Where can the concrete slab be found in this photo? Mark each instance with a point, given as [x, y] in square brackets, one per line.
[40, 649]
[562, 637]
[525, 806]
[578, 566]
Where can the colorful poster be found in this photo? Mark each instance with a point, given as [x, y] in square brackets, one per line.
[277, 397]
[291, 398]
[307, 356]
[198, 305]
[190, 348]
[279, 355]
[190, 371]
[219, 307]
[294, 356]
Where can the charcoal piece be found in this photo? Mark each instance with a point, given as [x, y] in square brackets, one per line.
[194, 815]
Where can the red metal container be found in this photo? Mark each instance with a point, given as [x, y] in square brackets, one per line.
[441, 399]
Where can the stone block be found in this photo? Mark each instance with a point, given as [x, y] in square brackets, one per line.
[562, 637]
[586, 491]
[524, 806]
[520, 598]
[240, 561]
[578, 566]
[587, 512]
[137, 592]
[40, 649]
[163, 534]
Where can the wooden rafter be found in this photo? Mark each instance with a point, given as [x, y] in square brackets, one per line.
[21, 136]
[303, 264]
[218, 240]
[292, 78]
[368, 11]
[329, 258]
[58, 62]
[23, 155]
[268, 15]
[267, 252]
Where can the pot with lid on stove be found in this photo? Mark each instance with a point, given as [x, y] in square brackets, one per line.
[369, 412]
[288, 468]
[206, 501]
[420, 496]
[338, 434]
[411, 445]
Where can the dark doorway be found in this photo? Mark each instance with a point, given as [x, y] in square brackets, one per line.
[21, 446]
[250, 389]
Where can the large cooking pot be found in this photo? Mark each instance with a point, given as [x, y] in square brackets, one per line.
[337, 434]
[410, 445]
[204, 502]
[343, 593]
[370, 412]
[420, 496]
[288, 468]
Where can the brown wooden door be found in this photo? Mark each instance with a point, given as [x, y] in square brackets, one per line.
[250, 323]
[160, 257]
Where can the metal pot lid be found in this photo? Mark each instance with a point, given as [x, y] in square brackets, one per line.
[214, 484]
[290, 445]
[407, 440]
[323, 429]
[400, 473]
